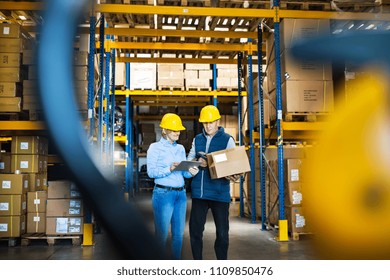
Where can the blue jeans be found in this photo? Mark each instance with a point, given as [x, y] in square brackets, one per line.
[169, 209]
[220, 211]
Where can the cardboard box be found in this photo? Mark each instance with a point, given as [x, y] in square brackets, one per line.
[28, 145]
[62, 189]
[228, 162]
[10, 30]
[293, 170]
[295, 30]
[16, 45]
[10, 59]
[36, 222]
[308, 96]
[13, 183]
[298, 222]
[13, 204]
[64, 207]
[64, 225]
[11, 74]
[10, 89]
[28, 163]
[293, 195]
[36, 201]
[12, 226]
[10, 104]
[5, 163]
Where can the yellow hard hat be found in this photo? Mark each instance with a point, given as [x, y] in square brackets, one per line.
[172, 122]
[209, 113]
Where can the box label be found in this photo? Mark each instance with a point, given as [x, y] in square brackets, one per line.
[74, 229]
[294, 174]
[37, 201]
[6, 30]
[25, 184]
[296, 197]
[6, 184]
[4, 206]
[37, 219]
[24, 164]
[3, 227]
[299, 221]
[75, 203]
[24, 145]
[74, 211]
[2, 165]
[62, 225]
[220, 158]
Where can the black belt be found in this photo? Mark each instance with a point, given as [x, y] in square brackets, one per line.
[170, 188]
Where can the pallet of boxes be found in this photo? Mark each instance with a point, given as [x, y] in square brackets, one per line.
[13, 42]
[307, 85]
[64, 212]
[295, 157]
[24, 171]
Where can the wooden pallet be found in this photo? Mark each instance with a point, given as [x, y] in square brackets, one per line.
[51, 240]
[305, 117]
[171, 88]
[12, 241]
[296, 235]
[199, 88]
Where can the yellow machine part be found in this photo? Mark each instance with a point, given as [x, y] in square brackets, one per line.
[347, 193]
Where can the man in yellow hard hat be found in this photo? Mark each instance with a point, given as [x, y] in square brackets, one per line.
[209, 193]
[169, 198]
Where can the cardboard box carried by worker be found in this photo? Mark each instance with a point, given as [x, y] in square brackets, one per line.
[228, 162]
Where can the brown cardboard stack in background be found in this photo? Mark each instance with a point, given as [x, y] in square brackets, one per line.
[294, 158]
[29, 155]
[13, 41]
[36, 211]
[307, 86]
[65, 209]
[13, 189]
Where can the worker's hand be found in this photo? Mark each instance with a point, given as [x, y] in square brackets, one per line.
[193, 170]
[233, 178]
[173, 166]
[203, 162]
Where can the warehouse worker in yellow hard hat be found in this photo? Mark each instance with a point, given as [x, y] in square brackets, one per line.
[209, 193]
[169, 198]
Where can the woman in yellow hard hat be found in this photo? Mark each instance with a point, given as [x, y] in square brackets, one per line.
[169, 198]
[210, 193]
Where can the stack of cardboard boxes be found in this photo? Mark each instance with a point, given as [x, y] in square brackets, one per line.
[227, 77]
[13, 41]
[29, 155]
[170, 75]
[30, 86]
[307, 85]
[294, 184]
[64, 209]
[198, 76]
[13, 206]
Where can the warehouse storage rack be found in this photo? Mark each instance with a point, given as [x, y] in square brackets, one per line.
[293, 130]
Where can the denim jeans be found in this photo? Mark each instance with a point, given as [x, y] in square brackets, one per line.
[220, 211]
[169, 209]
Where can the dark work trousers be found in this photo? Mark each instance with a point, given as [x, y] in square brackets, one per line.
[220, 211]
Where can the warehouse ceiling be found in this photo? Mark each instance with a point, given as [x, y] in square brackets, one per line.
[212, 31]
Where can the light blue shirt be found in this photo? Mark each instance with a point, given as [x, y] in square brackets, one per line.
[160, 157]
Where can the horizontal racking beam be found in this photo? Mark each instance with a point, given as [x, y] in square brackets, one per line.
[215, 93]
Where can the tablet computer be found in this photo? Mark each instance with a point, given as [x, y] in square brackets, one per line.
[186, 164]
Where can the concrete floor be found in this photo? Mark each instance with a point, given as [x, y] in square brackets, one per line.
[247, 242]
